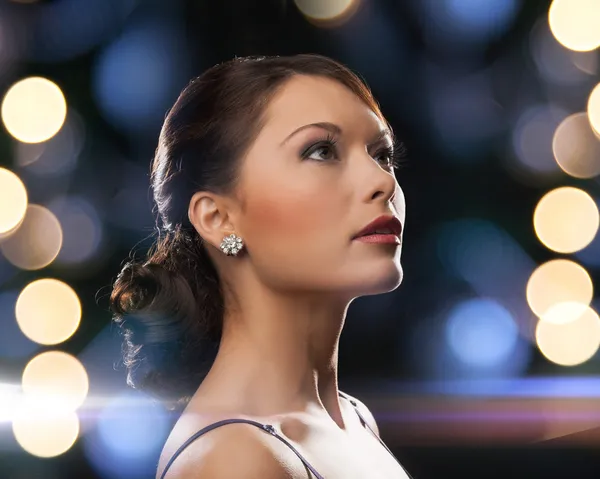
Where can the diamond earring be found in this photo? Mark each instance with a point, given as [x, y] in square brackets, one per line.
[231, 245]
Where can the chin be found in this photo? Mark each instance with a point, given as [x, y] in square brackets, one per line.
[382, 281]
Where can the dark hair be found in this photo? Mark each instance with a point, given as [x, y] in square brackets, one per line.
[170, 306]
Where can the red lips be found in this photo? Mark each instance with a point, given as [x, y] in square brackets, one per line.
[388, 222]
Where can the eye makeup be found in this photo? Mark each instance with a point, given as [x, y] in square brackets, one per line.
[395, 154]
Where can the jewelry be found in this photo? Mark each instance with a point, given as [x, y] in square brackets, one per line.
[232, 245]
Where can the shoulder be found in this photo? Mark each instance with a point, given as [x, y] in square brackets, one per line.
[366, 413]
[232, 450]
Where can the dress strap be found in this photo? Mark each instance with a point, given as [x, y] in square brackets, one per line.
[366, 424]
[271, 430]
[265, 427]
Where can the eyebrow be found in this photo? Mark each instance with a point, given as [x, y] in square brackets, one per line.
[333, 128]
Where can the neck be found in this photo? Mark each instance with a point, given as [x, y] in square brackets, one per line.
[279, 353]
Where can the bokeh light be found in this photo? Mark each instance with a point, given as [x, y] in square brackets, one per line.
[481, 332]
[82, 226]
[57, 156]
[575, 23]
[437, 351]
[56, 381]
[138, 76]
[532, 138]
[331, 11]
[556, 64]
[34, 109]
[13, 201]
[36, 242]
[568, 333]
[493, 264]
[66, 29]
[45, 434]
[460, 23]
[128, 437]
[558, 281]
[566, 219]
[481, 17]
[48, 311]
[593, 109]
[576, 147]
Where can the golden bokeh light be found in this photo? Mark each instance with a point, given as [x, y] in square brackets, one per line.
[568, 333]
[33, 110]
[576, 147]
[48, 311]
[330, 12]
[13, 201]
[576, 23]
[566, 219]
[46, 434]
[55, 381]
[36, 242]
[593, 109]
[558, 281]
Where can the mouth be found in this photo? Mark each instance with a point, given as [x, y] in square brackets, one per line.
[384, 229]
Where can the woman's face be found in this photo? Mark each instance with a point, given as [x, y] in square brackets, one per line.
[304, 199]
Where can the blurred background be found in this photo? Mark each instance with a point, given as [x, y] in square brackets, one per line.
[484, 363]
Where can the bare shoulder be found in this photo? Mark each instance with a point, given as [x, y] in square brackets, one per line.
[366, 413]
[230, 451]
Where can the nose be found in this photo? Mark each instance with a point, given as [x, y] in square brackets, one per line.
[381, 185]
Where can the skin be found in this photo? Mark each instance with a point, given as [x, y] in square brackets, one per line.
[288, 291]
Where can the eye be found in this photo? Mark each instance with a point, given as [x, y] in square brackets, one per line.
[393, 156]
[321, 151]
[386, 157]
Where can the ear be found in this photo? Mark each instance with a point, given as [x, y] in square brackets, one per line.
[210, 215]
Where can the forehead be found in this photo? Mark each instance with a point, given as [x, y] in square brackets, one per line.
[307, 99]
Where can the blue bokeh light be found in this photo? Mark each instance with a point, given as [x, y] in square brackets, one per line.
[129, 435]
[475, 338]
[460, 22]
[139, 76]
[65, 29]
[490, 261]
[481, 17]
[481, 333]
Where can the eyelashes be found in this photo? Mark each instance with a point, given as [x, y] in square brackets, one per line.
[396, 155]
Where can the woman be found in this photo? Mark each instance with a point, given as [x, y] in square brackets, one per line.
[274, 186]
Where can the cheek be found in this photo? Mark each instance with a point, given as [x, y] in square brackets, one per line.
[292, 211]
